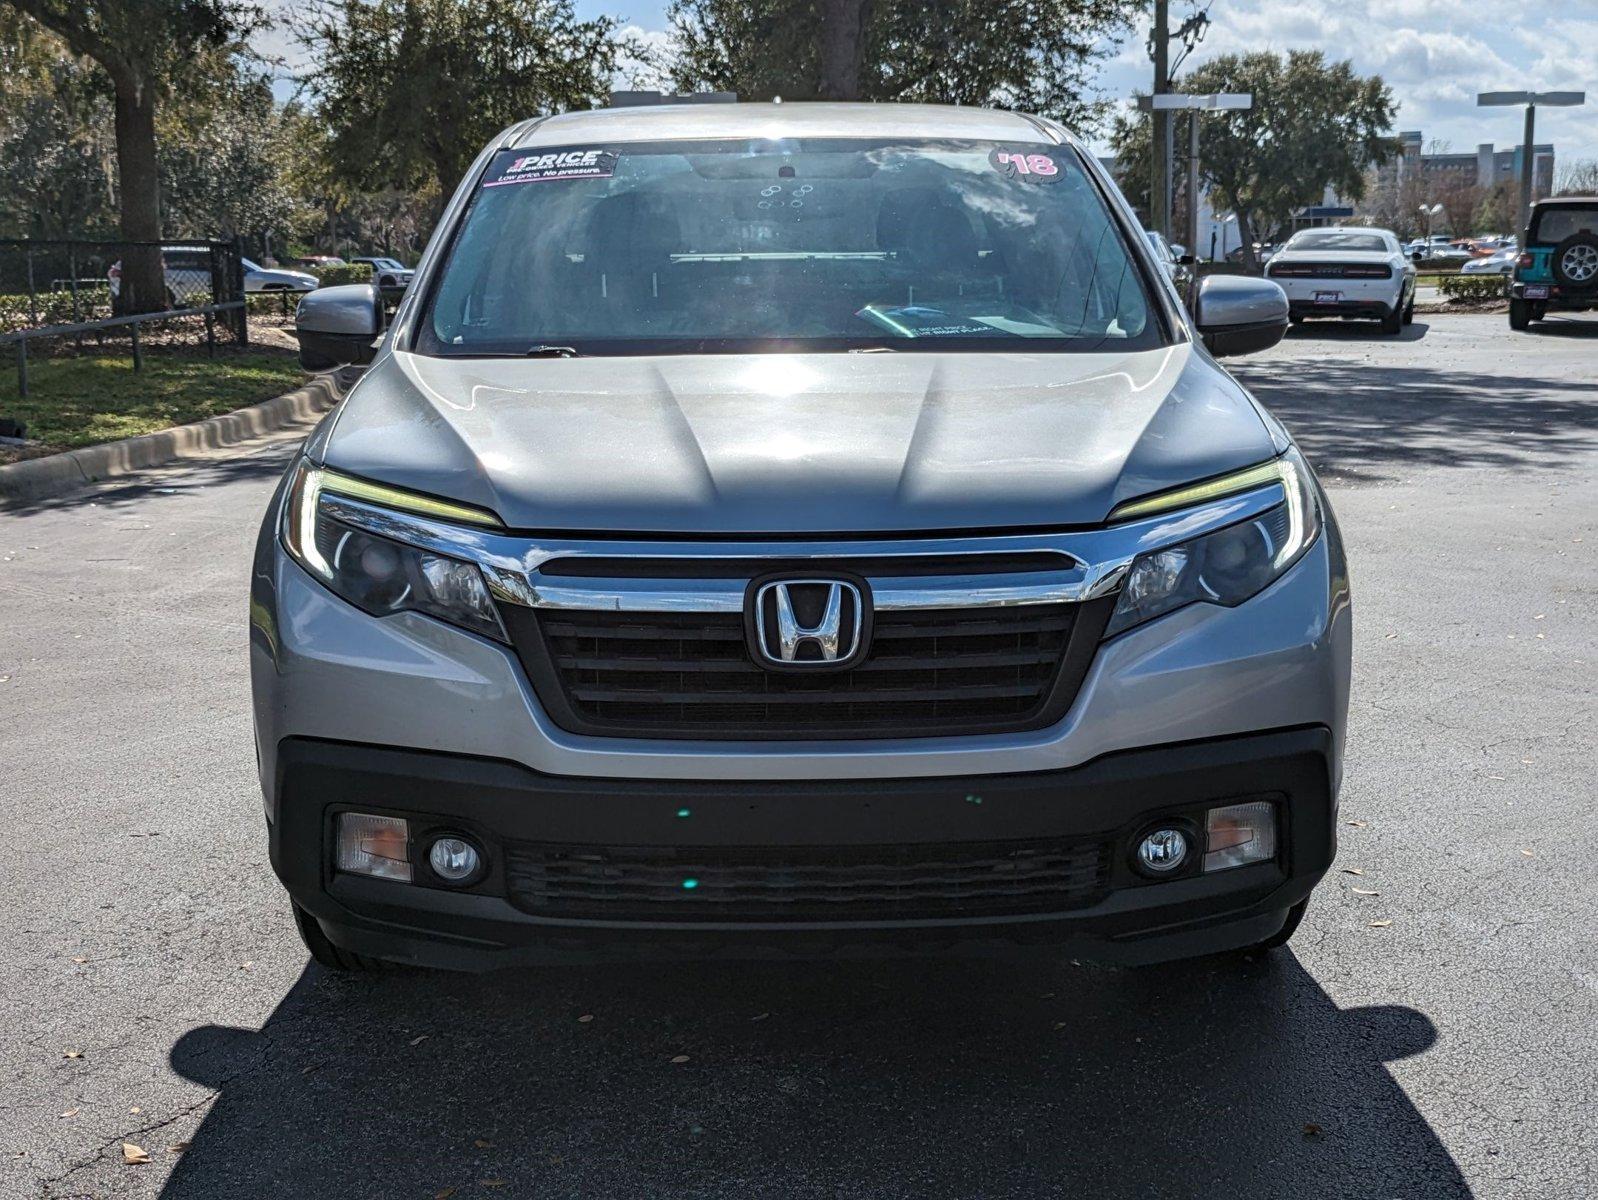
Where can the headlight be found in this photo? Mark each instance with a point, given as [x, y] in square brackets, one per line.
[377, 574]
[1230, 565]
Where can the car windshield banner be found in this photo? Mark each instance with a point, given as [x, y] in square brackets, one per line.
[519, 167]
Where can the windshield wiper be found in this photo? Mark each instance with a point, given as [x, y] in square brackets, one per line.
[543, 351]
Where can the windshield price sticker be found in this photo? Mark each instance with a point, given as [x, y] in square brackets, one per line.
[557, 164]
[1030, 165]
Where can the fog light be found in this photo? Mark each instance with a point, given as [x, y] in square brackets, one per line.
[373, 845]
[454, 859]
[1240, 834]
[1162, 851]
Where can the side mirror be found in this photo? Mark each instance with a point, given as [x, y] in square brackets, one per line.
[338, 325]
[1238, 314]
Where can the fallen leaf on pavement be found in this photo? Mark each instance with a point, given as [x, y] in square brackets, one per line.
[1353, 871]
[1500, 778]
[481, 1144]
[71, 1112]
[1527, 853]
[759, 1017]
[135, 1110]
[417, 1041]
[178, 1147]
[585, 1018]
[1359, 824]
[491, 1183]
[1311, 1129]
[72, 1054]
[680, 1058]
[446, 1193]
[1364, 892]
[132, 1154]
[1380, 924]
[78, 958]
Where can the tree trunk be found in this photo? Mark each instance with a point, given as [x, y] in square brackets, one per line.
[143, 284]
[1245, 230]
[843, 48]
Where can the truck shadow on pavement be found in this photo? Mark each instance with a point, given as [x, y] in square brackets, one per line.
[857, 1079]
[1362, 421]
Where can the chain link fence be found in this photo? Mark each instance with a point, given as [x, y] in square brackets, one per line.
[75, 297]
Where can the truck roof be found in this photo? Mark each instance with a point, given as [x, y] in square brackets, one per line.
[669, 122]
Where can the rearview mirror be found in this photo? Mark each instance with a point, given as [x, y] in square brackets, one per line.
[1238, 314]
[338, 325]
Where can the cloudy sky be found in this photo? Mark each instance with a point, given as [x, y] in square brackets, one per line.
[1435, 55]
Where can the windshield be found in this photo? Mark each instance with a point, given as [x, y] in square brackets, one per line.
[1339, 239]
[694, 247]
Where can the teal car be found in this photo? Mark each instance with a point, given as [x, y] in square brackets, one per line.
[1558, 269]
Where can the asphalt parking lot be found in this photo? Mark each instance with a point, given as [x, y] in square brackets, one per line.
[1432, 1033]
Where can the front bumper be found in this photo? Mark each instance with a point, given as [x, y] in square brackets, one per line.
[1108, 802]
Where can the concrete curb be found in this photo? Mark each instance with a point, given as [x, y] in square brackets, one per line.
[41, 478]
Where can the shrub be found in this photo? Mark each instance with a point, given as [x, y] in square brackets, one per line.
[50, 308]
[1473, 287]
[273, 304]
[343, 273]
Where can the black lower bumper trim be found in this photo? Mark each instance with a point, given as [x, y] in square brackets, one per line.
[819, 827]
[1371, 309]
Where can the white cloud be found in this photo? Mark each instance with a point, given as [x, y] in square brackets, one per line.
[1436, 55]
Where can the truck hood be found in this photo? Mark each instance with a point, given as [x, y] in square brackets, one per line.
[797, 443]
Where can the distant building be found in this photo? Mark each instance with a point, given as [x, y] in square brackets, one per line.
[1483, 167]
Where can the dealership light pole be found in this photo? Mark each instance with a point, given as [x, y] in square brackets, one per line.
[1195, 104]
[1531, 100]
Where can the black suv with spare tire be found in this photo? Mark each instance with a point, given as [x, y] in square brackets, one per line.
[1558, 269]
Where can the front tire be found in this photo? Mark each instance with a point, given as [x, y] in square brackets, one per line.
[1519, 314]
[325, 952]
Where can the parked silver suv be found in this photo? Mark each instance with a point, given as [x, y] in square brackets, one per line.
[782, 528]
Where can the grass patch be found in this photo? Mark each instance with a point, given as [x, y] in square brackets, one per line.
[76, 402]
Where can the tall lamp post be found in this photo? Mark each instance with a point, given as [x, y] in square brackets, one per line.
[1429, 213]
[1531, 100]
[1211, 102]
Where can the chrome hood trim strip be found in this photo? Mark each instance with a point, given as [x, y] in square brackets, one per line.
[1097, 560]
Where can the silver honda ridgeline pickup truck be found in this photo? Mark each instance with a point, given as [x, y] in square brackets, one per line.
[795, 529]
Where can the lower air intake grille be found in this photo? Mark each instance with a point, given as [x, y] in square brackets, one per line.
[793, 884]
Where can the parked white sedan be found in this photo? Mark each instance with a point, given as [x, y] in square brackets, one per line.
[1499, 262]
[1346, 273]
[188, 277]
